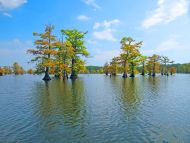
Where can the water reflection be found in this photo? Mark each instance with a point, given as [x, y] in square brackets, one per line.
[95, 108]
[60, 105]
[130, 97]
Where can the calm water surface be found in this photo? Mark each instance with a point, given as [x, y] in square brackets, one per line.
[95, 109]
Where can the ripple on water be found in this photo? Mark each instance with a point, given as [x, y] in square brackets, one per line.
[95, 108]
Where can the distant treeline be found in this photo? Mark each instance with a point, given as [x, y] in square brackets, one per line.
[181, 68]
[14, 69]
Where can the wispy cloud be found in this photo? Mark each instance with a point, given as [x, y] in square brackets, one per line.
[170, 45]
[83, 18]
[7, 5]
[167, 11]
[92, 3]
[106, 24]
[106, 34]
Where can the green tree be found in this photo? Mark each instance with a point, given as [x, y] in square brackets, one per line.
[165, 61]
[114, 65]
[64, 54]
[76, 38]
[106, 68]
[143, 61]
[130, 55]
[154, 64]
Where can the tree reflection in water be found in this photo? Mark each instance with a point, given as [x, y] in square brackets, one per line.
[60, 106]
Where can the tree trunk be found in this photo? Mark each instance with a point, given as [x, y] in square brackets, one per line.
[47, 77]
[125, 72]
[154, 72]
[73, 72]
[107, 73]
[142, 70]
[124, 75]
[132, 71]
[114, 74]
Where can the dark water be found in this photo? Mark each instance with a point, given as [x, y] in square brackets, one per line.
[95, 109]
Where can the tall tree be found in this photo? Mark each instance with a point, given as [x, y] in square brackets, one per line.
[106, 68]
[64, 54]
[154, 63]
[165, 61]
[114, 66]
[45, 50]
[130, 54]
[143, 61]
[76, 38]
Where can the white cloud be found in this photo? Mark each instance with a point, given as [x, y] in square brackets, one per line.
[8, 5]
[106, 34]
[83, 17]
[107, 31]
[167, 11]
[106, 24]
[169, 46]
[92, 3]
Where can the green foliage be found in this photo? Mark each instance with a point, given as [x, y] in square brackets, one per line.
[130, 56]
[76, 38]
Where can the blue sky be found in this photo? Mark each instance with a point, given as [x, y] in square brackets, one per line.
[163, 25]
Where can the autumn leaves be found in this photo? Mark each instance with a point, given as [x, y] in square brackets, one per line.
[60, 57]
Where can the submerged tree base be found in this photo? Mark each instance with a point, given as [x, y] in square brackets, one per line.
[132, 75]
[46, 77]
[73, 76]
[124, 75]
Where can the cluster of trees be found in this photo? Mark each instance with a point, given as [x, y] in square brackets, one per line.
[59, 56]
[181, 68]
[131, 59]
[14, 69]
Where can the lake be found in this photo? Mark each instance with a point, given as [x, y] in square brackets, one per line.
[95, 109]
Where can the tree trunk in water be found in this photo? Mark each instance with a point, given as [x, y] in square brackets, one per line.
[114, 74]
[73, 72]
[143, 70]
[125, 73]
[132, 71]
[65, 75]
[47, 77]
[154, 72]
[106, 73]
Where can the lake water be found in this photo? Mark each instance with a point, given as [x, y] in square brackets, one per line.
[95, 109]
